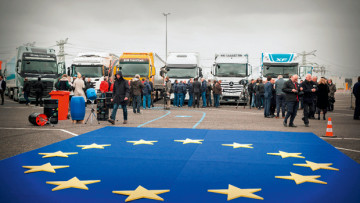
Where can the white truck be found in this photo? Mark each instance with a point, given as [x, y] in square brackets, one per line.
[279, 64]
[183, 66]
[32, 62]
[94, 65]
[233, 70]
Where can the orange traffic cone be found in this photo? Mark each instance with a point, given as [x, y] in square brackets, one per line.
[329, 130]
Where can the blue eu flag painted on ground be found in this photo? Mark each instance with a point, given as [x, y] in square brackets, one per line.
[115, 164]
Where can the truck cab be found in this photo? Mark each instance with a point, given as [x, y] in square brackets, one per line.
[233, 70]
[183, 66]
[93, 65]
[279, 64]
[32, 62]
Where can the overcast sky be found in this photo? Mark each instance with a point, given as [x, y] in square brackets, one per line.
[331, 27]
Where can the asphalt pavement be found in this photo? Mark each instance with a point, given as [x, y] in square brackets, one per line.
[18, 135]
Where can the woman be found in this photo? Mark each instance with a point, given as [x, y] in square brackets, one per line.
[79, 86]
[322, 98]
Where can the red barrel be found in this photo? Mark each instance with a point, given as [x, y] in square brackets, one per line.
[63, 107]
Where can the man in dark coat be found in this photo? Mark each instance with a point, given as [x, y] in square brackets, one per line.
[121, 93]
[26, 91]
[197, 92]
[309, 88]
[268, 95]
[259, 91]
[191, 93]
[313, 110]
[2, 89]
[180, 92]
[136, 90]
[203, 91]
[356, 92]
[39, 88]
[291, 90]
[251, 91]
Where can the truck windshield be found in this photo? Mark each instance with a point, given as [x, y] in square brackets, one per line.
[40, 67]
[230, 70]
[285, 71]
[131, 69]
[88, 71]
[181, 72]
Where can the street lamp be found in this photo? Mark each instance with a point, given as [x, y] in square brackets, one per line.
[166, 14]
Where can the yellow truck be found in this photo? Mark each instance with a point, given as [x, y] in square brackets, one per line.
[144, 64]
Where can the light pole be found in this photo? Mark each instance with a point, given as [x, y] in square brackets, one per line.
[166, 14]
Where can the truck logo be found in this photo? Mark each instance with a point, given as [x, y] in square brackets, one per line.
[231, 83]
[281, 59]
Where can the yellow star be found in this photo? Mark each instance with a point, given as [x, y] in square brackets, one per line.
[142, 142]
[237, 145]
[316, 166]
[72, 183]
[302, 179]
[46, 167]
[234, 192]
[187, 141]
[57, 154]
[286, 155]
[140, 193]
[94, 146]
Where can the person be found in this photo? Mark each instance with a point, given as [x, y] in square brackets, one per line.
[273, 98]
[332, 88]
[136, 87]
[322, 98]
[180, 94]
[291, 90]
[251, 92]
[184, 90]
[191, 93]
[197, 92]
[280, 97]
[356, 92]
[110, 81]
[104, 87]
[267, 95]
[79, 86]
[39, 88]
[152, 91]
[63, 84]
[120, 97]
[260, 90]
[313, 109]
[176, 96]
[208, 93]
[88, 84]
[26, 91]
[217, 92]
[203, 92]
[308, 87]
[167, 91]
[301, 97]
[146, 90]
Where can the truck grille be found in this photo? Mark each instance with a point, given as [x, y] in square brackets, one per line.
[231, 87]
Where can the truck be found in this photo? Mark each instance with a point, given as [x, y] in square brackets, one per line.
[279, 64]
[183, 66]
[144, 64]
[32, 62]
[233, 70]
[94, 65]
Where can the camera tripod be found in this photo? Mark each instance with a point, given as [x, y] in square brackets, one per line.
[92, 114]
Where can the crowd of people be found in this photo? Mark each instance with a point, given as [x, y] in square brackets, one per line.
[313, 96]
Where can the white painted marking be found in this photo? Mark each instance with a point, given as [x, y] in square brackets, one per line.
[340, 138]
[352, 150]
[40, 129]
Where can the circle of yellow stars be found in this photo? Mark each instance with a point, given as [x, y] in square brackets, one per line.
[141, 192]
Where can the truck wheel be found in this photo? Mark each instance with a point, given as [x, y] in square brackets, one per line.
[11, 93]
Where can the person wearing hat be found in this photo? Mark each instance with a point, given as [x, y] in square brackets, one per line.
[120, 97]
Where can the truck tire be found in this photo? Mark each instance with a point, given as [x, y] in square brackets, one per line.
[11, 93]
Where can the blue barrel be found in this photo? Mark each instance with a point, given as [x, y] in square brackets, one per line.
[91, 94]
[77, 108]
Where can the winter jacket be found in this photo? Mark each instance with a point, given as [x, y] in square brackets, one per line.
[217, 89]
[322, 96]
[104, 86]
[289, 95]
[146, 90]
[39, 87]
[121, 90]
[190, 88]
[307, 86]
[332, 89]
[251, 88]
[203, 86]
[208, 89]
[136, 87]
[260, 88]
[356, 90]
[196, 87]
[179, 88]
[268, 87]
[63, 84]
[79, 86]
[27, 87]
[279, 85]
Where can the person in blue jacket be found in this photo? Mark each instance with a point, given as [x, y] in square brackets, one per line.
[176, 96]
[146, 94]
[203, 91]
[180, 93]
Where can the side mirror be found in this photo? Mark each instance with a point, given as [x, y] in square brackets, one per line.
[68, 71]
[17, 63]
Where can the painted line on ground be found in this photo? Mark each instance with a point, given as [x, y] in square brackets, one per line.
[340, 138]
[202, 118]
[351, 150]
[40, 130]
[183, 116]
[168, 112]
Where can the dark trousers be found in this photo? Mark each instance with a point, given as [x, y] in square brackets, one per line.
[313, 109]
[259, 100]
[250, 99]
[136, 103]
[38, 99]
[307, 108]
[267, 102]
[203, 96]
[357, 108]
[116, 106]
[190, 102]
[216, 100]
[2, 96]
[292, 108]
[26, 96]
[280, 103]
[196, 99]
[331, 104]
[208, 100]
